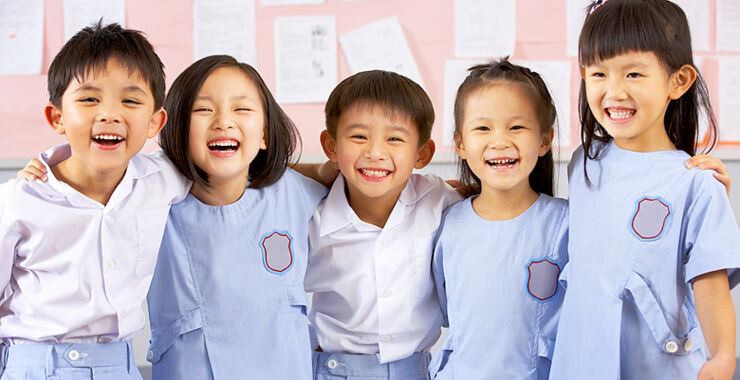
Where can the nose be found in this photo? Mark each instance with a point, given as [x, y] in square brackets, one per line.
[375, 150]
[222, 121]
[109, 113]
[615, 89]
[500, 139]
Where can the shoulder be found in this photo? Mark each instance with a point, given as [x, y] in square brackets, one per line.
[433, 188]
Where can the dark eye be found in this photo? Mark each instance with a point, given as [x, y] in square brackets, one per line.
[358, 137]
[243, 109]
[395, 139]
[516, 127]
[634, 75]
[88, 99]
[201, 109]
[131, 101]
[598, 74]
[482, 128]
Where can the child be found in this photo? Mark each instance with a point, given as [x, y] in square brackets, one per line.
[227, 299]
[374, 309]
[78, 252]
[499, 253]
[653, 247]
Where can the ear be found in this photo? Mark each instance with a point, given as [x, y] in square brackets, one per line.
[459, 146]
[263, 143]
[329, 146]
[54, 118]
[681, 81]
[546, 142]
[424, 154]
[158, 120]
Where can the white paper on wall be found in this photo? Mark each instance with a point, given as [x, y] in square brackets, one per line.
[225, 27]
[485, 28]
[21, 37]
[81, 13]
[380, 45]
[728, 25]
[576, 11]
[729, 93]
[697, 12]
[292, 2]
[305, 58]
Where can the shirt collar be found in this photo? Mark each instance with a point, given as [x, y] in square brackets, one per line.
[337, 213]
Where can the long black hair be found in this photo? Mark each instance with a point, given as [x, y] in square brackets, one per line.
[617, 27]
[481, 76]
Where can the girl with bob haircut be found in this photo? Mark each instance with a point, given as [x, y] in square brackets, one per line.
[227, 298]
[654, 247]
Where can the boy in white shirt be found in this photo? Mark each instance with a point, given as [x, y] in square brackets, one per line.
[374, 311]
[77, 253]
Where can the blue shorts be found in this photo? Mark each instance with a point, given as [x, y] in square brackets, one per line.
[335, 366]
[98, 361]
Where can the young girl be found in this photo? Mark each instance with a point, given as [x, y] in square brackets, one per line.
[227, 298]
[499, 253]
[653, 247]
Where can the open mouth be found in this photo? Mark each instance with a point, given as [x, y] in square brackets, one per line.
[107, 139]
[374, 173]
[619, 114]
[223, 146]
[502, 163]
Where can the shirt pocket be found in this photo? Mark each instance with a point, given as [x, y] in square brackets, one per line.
[163, 337]
[422, 262]
[150, 227]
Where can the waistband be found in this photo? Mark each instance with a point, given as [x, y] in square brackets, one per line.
[67, 355]
[327, 363]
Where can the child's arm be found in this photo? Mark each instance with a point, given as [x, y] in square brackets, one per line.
[324, 173]
[705, 161]
[717, 318]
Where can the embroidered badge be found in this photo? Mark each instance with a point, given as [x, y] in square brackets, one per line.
[542, 279]
[650, 217]
[277, 252]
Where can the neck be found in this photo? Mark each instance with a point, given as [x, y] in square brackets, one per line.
[493, 204]
[98, 186]
[220, 193]
[375, 211]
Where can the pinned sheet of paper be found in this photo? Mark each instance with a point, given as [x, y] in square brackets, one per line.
[81, 13]
[728, 25]
[576, 11]
[225, 27]
[485, 28]
[697, 12]
[292, 2]
[557, 77]
[455, 73]
[380, 45]
[305, 58]
[21, 37]
[729, 93]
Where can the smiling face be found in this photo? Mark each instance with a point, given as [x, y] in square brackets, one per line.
[501, 138]
[376, 151]
[629, 94]
[107, 116]
[227, 126]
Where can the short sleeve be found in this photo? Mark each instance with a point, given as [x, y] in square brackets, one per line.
[439, 275]
[9, 239]
[551, 314]
[312, 192]
[177, 186]
[711, 236]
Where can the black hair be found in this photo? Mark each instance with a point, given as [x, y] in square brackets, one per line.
[503, 71]
[387, 89]
[91, 49]
[659, 26]
[280, 132]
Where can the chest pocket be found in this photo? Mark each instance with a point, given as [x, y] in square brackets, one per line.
[150, 227]
[650, 218]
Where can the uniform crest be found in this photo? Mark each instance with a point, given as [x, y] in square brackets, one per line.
[650, 217]
[277, 251]
[542, 279]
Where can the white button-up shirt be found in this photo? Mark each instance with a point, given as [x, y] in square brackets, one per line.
[73, 270]
[373, 291]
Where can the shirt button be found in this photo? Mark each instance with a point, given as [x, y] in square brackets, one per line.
[381, 242]
[386, 292]
[687, 345]
[671, 347]
[124, 314]
[150, 354]
[387, 338]
[111, 264]
[73, 355]
[332, 364]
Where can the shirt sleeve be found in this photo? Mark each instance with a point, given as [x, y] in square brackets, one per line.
[711, 237]
[9, 239]
[178, 186]
[439, 275]
[311, 191]
[551, 315]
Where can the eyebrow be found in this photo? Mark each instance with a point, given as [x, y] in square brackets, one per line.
[240, 97]
[90, 87]
[391, 127]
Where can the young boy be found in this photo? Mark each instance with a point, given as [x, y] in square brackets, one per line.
[77, 253]
[375, 311]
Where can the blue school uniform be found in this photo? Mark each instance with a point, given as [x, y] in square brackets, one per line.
[498, 287]
[227, 298]
[639, 237]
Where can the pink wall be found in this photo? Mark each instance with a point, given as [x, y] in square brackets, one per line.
[428, 25]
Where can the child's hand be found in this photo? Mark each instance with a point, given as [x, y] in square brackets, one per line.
[705, 161]
[719, 368]
[34, 170]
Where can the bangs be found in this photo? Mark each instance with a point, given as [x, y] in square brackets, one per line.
[621, 26]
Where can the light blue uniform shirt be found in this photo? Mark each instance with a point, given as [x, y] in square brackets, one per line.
[227, 299]
[637, 240]
[498, 287]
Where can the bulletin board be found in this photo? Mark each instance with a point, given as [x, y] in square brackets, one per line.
[428, 26]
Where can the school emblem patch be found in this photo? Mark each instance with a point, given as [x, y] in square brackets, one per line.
[542, 279]
[277, 251]
[650, 217]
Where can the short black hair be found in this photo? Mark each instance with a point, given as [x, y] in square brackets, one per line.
[282, 136]
[92, 47]
[386, 89]
[503, 71]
